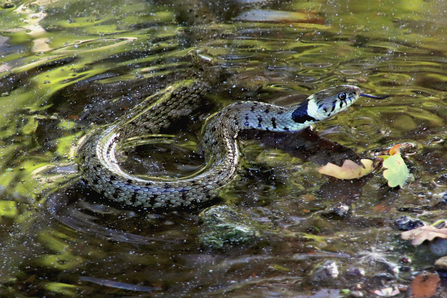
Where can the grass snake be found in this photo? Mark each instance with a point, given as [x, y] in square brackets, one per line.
[98, 157]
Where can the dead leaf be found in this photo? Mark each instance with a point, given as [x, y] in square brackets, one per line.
[421, 234]
[395, 149]
[308, 198]
[396, 171]
[323, 293]
[383, 207]
[387, 292]
[425, 285]
[275, 16]
[349, 169]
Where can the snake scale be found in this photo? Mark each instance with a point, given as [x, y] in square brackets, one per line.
[98, 160]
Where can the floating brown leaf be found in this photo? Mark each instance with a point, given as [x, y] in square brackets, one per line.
[421, 234]
[349, 169]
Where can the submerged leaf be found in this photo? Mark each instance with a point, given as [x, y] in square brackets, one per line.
[276, 16]
[421, 234]
[349, 169]
[323, 293]
[396, 171]
[425, 285]
[387, 292]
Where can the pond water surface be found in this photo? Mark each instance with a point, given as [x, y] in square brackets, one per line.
[67, 67]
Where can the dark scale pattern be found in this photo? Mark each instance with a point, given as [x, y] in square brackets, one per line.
[219, 142]
[273, 120]
[260, 121]
[301, 116]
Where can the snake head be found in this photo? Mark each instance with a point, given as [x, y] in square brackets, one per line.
[328, 102]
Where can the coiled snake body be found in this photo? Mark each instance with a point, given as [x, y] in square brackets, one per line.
[98, 161]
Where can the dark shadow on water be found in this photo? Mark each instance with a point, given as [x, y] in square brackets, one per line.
[85, 211]
[305, 144]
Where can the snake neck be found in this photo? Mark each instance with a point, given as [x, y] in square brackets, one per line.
[241, 116]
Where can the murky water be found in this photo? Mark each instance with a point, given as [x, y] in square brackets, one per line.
[68, 66]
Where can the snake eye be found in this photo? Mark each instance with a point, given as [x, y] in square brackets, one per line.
[342, 96]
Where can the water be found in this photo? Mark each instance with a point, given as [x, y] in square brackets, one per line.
[68, 66]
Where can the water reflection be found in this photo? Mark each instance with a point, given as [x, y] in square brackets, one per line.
[67, 66]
